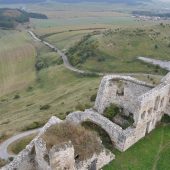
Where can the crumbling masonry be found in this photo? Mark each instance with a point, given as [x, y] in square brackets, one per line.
[145, 103]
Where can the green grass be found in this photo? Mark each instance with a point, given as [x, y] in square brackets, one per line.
[61, 40]
[17, 58]
[20, 144]
[152, 151]
[117, 50]
[57, 87]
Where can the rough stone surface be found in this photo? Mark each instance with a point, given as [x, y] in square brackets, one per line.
[146, 103]
[24, 158]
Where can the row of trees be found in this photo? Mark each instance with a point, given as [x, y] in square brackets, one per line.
[7, 21]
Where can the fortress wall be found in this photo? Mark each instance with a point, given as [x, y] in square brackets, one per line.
[152, 105]
[25, 157]
[119, 90]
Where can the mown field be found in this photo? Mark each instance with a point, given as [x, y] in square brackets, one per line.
[17, 58]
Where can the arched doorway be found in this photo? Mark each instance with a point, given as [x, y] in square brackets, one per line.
[106, 140]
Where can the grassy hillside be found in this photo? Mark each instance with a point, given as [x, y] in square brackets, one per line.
[116, 50]
[17, 60]
[151, 153]
[57, 91]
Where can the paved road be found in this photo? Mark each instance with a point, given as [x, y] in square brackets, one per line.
[4, 146]
[162, 64]
[70, 67]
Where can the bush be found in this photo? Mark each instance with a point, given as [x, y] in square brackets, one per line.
[17, 96]
[2, 162]
[93, 97]
[156, 46]
[80, 107]
[85, 142]
[45, 107]
[111, 111]
[165, 119]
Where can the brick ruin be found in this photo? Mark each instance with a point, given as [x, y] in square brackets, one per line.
[145, 103]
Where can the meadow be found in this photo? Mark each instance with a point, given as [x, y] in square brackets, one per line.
[56, 91]
[150, 153]
[17, 58]
[116, 50]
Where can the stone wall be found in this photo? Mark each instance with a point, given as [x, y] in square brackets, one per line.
[121, 90]
[25, 158]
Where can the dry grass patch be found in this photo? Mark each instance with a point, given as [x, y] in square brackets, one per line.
[85, 142]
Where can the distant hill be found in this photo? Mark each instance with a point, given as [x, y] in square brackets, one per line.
[9, 18]
[76, 1]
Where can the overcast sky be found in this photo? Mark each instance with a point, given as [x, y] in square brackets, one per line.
[165, 0]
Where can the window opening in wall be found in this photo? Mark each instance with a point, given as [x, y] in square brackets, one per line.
[157, 101]
[120, 88]
[150, 111]
[143, 115]
[162, 102]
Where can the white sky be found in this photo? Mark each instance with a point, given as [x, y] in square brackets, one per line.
[165, 0]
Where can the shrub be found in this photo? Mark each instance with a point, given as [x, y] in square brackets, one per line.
[17, 96]
[111, 111]
[45, 107]
[93, 97]
[2, 162]
[80, 107]
[165, 119]
[156, 46]
[85, 142]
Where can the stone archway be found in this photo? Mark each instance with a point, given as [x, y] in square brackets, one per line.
[106, 140]
[114, 131]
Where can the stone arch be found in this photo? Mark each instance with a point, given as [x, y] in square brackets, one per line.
[106, 140]
[114, 131]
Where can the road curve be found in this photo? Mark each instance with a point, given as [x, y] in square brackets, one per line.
[70, 67]
[4, 146]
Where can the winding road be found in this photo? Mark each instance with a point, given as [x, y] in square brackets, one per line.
[71, 68]
[4, 146]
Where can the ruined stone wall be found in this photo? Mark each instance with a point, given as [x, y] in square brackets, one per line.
[112, 129]
[122, 139]
[152, 106]
[62, 157]
[24, 158]
[121, 90]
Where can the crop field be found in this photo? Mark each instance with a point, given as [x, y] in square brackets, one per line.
[150, 153]
[61, 40]
[17, 58]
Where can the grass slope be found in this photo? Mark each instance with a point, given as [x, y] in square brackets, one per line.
[59, 89]
[17, 59]
[117, 50]
[151, 153]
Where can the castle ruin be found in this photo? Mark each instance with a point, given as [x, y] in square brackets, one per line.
[144, 103]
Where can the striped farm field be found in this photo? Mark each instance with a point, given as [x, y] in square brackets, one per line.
[17, 60]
